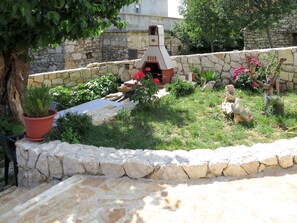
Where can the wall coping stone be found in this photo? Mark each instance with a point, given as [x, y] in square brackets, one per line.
[39, 162]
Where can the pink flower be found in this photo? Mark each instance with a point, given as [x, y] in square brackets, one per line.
[237, 71]
[148, 69]
[138, 75]
[156, 80]
[246, 70]
[141, 74]
[255, 61]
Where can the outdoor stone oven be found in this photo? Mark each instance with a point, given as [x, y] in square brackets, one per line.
[156, 57]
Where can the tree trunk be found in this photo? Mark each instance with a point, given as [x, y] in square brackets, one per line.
[14, 72]
[268, 33]
[212, 46]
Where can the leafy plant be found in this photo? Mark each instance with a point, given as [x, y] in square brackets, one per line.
[94, 89]
[37, 101]
[208, 75]
[71, 128]
[265, 66]
[180, 88]
[10, 126]
[63, 96]
[144, 92]
[194, 70]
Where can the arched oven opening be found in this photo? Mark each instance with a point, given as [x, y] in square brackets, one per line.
[154, 70]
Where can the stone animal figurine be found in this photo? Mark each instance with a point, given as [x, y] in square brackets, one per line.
[241, 114]
[233, 106]
[229, 100]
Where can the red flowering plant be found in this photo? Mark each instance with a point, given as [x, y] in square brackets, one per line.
[146, 88]
[241, 75]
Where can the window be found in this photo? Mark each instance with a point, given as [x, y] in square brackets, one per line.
[294, 39]
[137, 8]
[153, 31]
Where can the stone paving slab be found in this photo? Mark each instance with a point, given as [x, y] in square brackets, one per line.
[90, 106]
[100, 109]
[266, 197]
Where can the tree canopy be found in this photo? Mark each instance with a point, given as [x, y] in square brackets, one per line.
[259, 15]
[39, 23]
[221, 22]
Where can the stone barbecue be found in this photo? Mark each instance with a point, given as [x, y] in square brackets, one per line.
[156, 57]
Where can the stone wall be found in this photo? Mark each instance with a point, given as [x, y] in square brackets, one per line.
[111, 46]
[224, 63]
[56, 160]
[282, 34]
[46, 60]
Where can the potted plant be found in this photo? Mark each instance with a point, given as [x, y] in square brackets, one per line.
[194, 73]
[38, 117]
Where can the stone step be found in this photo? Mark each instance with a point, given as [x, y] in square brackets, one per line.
[15, 196]
[30, 200]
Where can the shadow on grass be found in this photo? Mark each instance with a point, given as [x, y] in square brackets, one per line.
[133, 131]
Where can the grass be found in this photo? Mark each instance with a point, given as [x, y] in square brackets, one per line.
[194, 122]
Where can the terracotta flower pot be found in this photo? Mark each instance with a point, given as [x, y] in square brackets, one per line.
[167, 78]
[36, 128]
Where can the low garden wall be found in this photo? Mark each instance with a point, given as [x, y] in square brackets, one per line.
[224, 63]
[40, 162]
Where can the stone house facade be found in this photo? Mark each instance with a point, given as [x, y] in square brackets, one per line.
[284, 34]
[113, 44]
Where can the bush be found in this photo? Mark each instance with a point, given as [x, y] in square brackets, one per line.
[180, 88]
[144, 93]
[10, 126]
[71, 128]
[82, 93]
[265, 66]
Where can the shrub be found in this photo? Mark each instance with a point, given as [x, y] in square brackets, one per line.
[265, 67]
[89, 91]
[180, 88]
[63, 96]
[144, 93]
[208, 75]
[9, 125]
[71, 128]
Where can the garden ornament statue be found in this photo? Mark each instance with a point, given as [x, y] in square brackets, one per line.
[269, 99]
[233, 106]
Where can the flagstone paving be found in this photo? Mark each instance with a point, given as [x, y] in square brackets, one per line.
[265, 197]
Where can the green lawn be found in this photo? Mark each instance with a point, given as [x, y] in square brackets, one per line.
[194, 122]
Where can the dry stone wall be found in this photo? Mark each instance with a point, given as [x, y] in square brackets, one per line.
[49, 59]
[56, 160]
[110, 46]
[282, 34]
[224, 63]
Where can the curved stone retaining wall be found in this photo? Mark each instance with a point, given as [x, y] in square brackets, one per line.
[224, 63]
[39, 162]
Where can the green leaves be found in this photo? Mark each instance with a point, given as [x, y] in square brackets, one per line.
[82, 93]
[180, 88]
[36, 23]
[37, 102]
[54, 16]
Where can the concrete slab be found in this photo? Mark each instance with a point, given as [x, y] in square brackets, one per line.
[90, 107]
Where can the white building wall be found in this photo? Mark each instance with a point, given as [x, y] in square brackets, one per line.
[148, 7]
